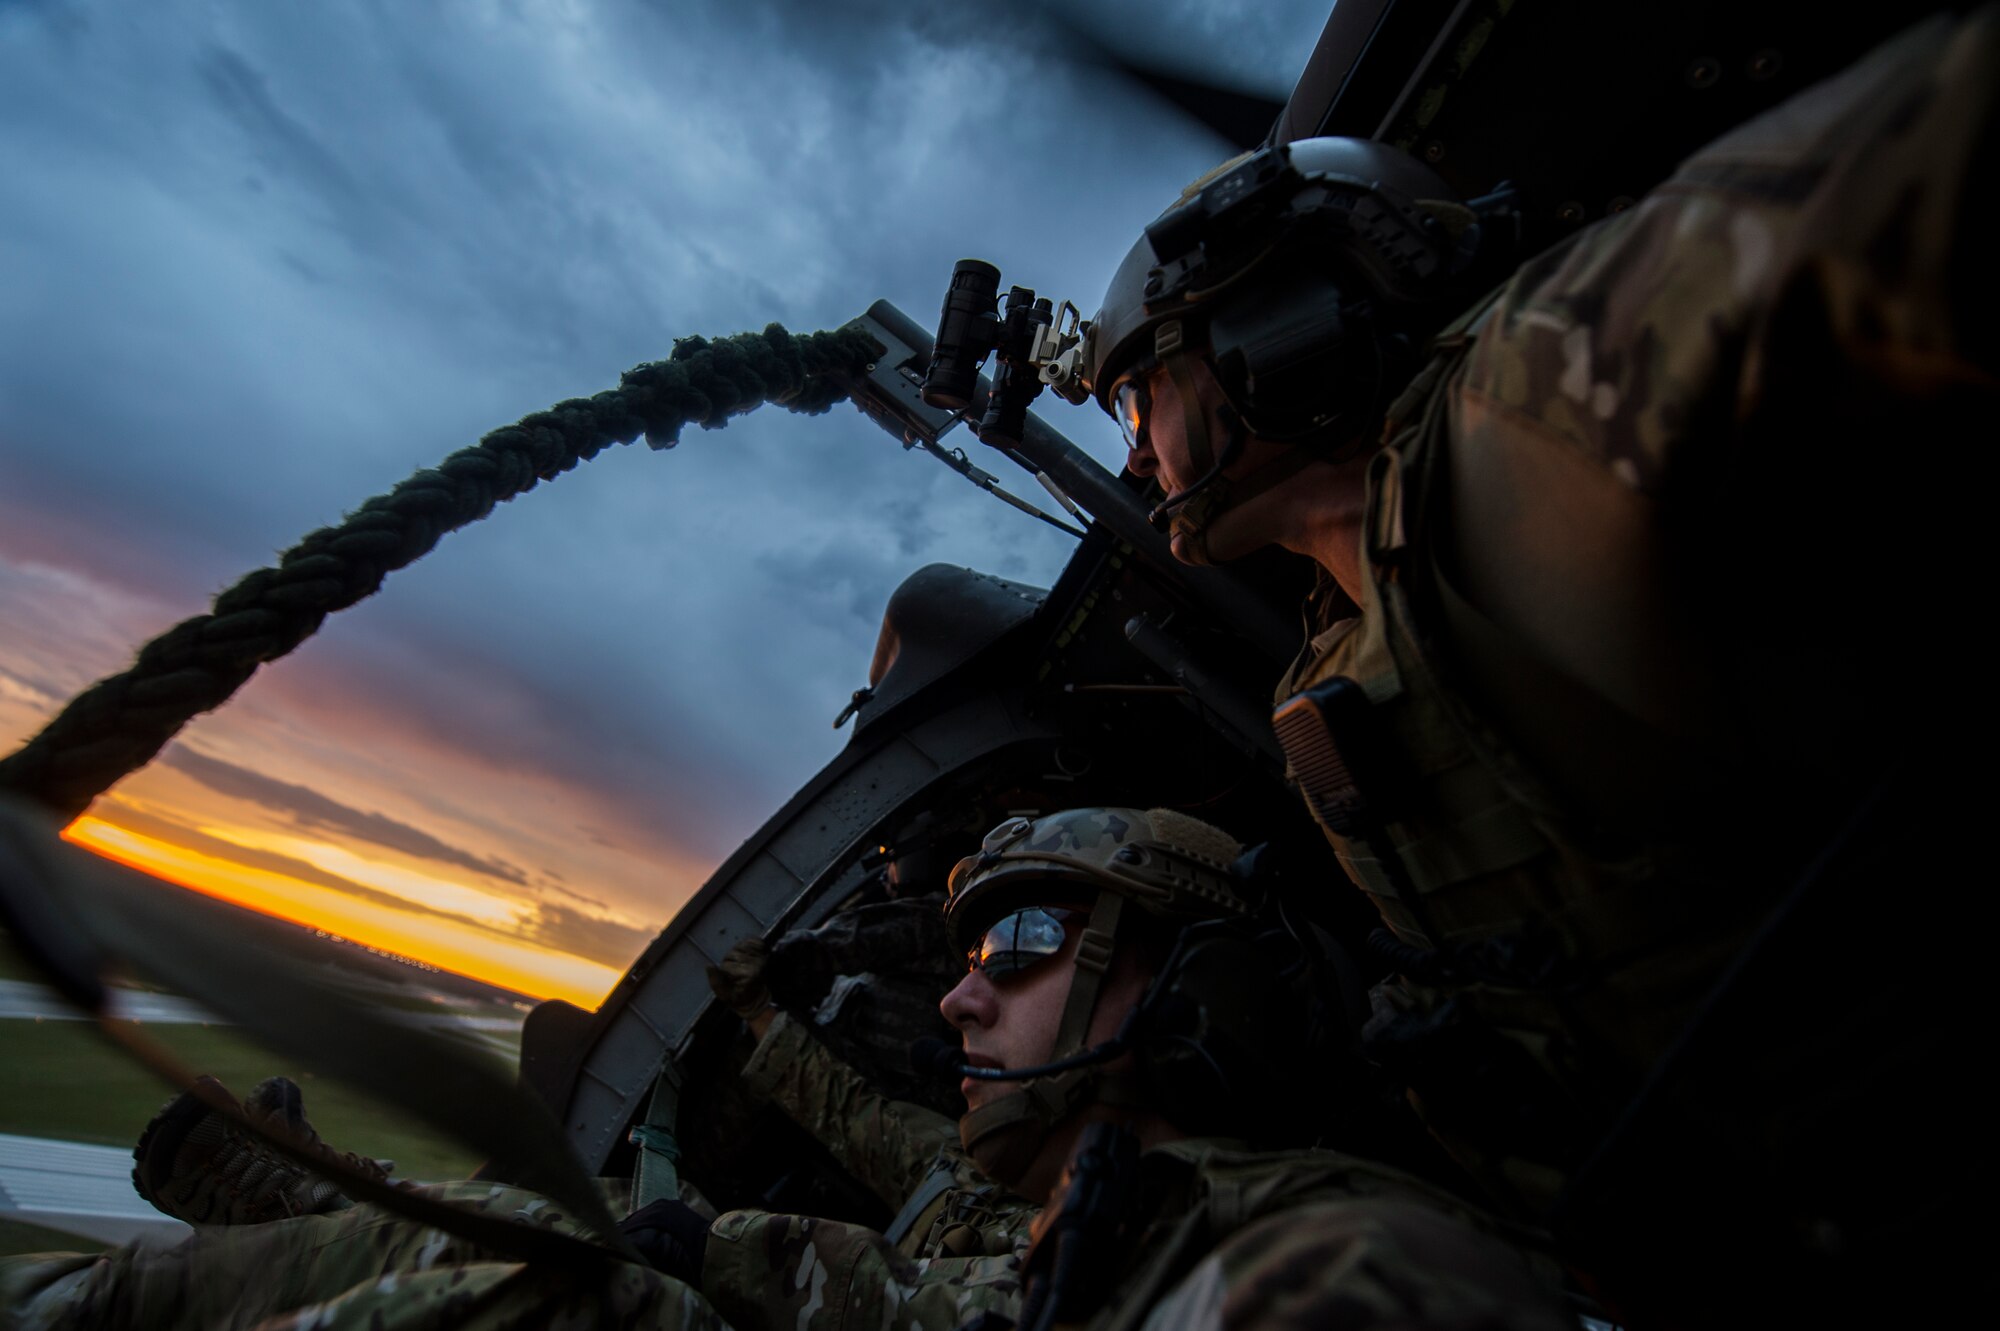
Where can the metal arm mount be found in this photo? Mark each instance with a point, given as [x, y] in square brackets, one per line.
[889, 394]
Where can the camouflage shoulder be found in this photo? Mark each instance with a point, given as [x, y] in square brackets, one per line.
[801, 1274]
[1371, 1262]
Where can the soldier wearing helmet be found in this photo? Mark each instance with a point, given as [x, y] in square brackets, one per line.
[1108, 954]
[1074, 885]
[1584, 708]
[1262, 323]
[1126, 992]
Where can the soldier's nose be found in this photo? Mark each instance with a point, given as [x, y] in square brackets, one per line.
[970, 1002]
[1140, 460]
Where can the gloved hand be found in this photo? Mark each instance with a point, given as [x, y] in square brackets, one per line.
[739, 980]
[671, 1236]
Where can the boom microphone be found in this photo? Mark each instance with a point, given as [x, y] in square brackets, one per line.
[932, 1057]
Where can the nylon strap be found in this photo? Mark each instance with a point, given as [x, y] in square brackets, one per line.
[1279, 469]
[1093, 956]
[1191, 520]
[942, 1179]
[659, 1153]
[1171, 349]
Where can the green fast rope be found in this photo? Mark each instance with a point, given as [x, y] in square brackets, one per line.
[118, 724]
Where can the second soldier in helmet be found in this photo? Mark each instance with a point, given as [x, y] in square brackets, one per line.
[1080, 928]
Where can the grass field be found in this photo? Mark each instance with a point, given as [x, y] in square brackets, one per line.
[65, 1080]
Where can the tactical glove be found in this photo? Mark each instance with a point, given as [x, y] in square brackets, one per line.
[671, 1236]
[739, 980]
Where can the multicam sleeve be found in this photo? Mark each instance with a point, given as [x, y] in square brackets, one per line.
[1385, 1264]
[801, 1274]
[887, 1144]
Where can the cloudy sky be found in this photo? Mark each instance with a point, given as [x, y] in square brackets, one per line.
[259, 261]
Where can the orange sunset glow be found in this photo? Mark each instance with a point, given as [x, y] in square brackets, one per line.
[536, 971]
[313, 799]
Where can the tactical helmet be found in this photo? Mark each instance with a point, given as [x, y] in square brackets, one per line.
[1232, 1004]
[1300, 268]
[1164, 862]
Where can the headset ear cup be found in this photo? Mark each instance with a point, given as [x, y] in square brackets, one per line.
[1220, 1041]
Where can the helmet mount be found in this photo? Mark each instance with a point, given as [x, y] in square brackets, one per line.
[1307, 275]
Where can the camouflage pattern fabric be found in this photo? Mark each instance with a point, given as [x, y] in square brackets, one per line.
[891, 1146]
[801, 1274]
[367, 1270]
[1615, 557]
[361, 1268]
[1318, 1239]
[1335, 1265]
[1236, 1238]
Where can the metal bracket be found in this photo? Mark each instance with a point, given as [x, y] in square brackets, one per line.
[889, 391]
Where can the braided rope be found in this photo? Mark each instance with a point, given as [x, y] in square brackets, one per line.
[117, 725]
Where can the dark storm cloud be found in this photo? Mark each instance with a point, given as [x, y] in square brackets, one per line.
[282, 145]
[312, 811]
[264, 261]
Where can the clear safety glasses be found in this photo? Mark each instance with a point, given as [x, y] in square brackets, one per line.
[1133, 403]
[1017, 942]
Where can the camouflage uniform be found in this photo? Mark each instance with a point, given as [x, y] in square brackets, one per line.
[341, 1269]
[905, 1154]
[353, 1267]
[1614, 556]
[1233, 1238]
[1317, 1239]
[366, 1268]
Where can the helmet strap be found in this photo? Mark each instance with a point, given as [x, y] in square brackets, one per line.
[1190, 512]
[1004, 1136]
[1093, 958]
[1171, 349]
[1190, 521]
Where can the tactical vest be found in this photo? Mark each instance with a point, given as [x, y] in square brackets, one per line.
[951, 1216]
[1541, 975]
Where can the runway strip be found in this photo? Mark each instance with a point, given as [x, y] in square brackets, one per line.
[27, 1001]
[78, 1189]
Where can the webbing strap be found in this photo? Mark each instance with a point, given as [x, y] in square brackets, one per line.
[1172, 351]
[1278, 470]
[1093, 956]
[1495, 838]
[658, 1174]
[942, 1179]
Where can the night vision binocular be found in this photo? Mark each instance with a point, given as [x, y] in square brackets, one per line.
[1034, 345]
